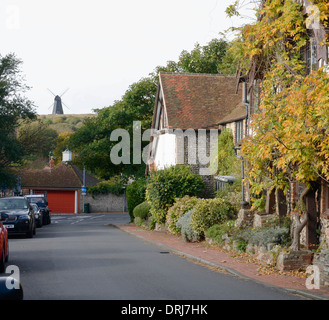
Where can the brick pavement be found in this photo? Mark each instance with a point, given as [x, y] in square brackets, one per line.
[238, 264]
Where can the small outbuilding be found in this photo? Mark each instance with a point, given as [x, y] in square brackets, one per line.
[61, 183]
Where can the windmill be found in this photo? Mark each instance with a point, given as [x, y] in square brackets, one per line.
[58, 103]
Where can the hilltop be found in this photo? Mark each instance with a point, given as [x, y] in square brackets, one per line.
[65, 122]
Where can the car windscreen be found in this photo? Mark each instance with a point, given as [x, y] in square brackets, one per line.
[12, 204]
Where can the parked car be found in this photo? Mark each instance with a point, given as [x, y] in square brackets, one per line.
[38, 215]
[20, 218]
[4, 247]
[41, 201]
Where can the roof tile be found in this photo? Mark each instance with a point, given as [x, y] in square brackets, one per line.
[195, 101]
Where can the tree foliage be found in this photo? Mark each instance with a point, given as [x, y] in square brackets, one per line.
[289, 140]
[61, 144]
[14, 107]
[165, 186]
[204, 59]
[226, 160]
[285, 144]
[92, 142]
[36, 138]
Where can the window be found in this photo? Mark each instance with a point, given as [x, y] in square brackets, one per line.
[238, 131]
[309, 55]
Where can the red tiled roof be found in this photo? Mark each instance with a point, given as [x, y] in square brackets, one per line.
[61, 177]
[195, 101]
[238, 113]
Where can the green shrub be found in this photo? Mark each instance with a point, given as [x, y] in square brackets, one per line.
[151, 223]
[268, 235]
[184, 224]
[181, 206]
[232, 193]
[135, 195]
[217, 232]
[169, 184]
[210, 212]
[142, 211]
[139, 221]
[241, 245]
[114, 185]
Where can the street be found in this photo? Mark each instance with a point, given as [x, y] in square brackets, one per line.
[84, 257]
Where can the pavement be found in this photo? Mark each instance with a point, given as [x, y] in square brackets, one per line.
[217, 259]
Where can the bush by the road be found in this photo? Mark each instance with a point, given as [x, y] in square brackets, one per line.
[135, 195]
[142, 211]
[187, 232]
[181, 206]
[166, 185]
[209, 212]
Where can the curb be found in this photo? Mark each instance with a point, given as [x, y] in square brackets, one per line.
[231, 271]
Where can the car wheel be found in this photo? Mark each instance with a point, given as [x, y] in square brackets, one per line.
[29, 234]
[2, 260]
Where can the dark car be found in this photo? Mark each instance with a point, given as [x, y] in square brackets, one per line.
[20, 219]
[38, 213]
[41, 202]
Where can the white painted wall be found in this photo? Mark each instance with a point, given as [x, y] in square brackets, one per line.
[165, 155]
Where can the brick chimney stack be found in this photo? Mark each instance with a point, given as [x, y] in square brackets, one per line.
[52, 163]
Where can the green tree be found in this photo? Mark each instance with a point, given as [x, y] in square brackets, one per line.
[226, 160]
[14, 107]
[92, 142]
[204, 59]
[36, 138]
[61, 144]
[214, 57]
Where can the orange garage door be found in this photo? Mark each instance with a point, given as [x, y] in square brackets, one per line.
[61, 201]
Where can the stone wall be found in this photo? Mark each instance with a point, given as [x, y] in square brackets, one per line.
[324, 230]
[192, 152]
[105, 203]
[321, 260]
[294, 260]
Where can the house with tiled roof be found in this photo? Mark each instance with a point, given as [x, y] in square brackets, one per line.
[61, 183]
[189, 108]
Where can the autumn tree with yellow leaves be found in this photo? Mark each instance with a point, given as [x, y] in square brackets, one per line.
[289, 133]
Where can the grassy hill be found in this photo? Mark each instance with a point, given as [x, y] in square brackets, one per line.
[65, 122]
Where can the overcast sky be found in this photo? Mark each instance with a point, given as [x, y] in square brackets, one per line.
[98, 48]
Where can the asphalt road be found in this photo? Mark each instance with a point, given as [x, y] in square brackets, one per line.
[83, 257]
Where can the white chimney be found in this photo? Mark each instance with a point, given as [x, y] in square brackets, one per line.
[67, 156]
